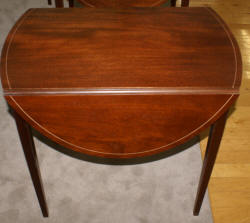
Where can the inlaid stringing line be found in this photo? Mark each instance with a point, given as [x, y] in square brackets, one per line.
[211, 12]
[93, 151]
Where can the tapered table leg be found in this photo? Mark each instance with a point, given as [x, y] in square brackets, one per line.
[32, 161]
[173, 3]
[59, 3]
[184, 3]
[71, 3]
[213, 144]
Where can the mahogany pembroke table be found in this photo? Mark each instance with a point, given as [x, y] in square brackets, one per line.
[120, 83]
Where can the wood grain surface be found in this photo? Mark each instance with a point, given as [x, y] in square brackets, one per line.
[121, 126]
[120, 83]
[122, 3]
[92, 48]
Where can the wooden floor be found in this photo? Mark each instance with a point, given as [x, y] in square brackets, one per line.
[229, 186]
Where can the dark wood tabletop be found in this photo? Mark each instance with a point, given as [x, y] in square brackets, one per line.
[120, 83]
[170, 47]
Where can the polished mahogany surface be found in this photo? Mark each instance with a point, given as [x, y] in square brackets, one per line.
[88, 48]
[122, 3]
[120, 83]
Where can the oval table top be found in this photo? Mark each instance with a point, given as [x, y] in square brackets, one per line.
[120, 83]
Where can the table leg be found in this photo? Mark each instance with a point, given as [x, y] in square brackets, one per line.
[184, 3]
[213, 144]
[31, 159]
[173, 3]
[71, 3]
[59, 3]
